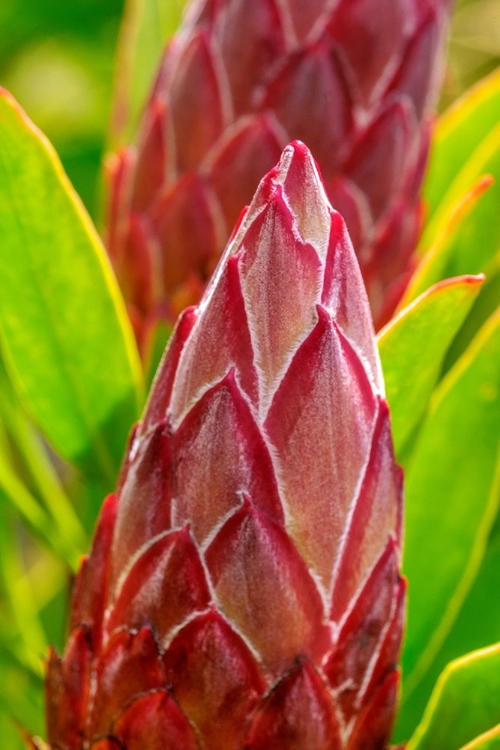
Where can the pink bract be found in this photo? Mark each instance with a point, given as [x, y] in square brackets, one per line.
[243, 590]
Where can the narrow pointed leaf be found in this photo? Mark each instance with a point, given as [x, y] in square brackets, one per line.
[474, 246]
[438, 255]
[459, 130]
[451, 500]
[413, 346]
[71, 353]
[38, 473]
[464, 703]
[483, 308]
[14, 492]
[488, 741]
[477, 626]
[21, 697]
[18, 600]
[146, 25]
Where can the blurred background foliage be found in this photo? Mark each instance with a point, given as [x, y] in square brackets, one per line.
[58, 60]
[474, 46]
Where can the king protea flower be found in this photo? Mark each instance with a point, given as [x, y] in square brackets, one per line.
[243, 590]
[353, 79]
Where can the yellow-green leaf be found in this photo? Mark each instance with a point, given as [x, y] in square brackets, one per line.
[479, 237]
[446, 235]
[452, 493]
[413, 345]
[146, 26]
[64, 333]
[488, 741]
[476, 626]
[464, 703]
[462, 233]
[459, 131]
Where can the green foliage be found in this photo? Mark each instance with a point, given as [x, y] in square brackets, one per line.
[474, 49]
[37, 494]
[57, 60]
[477, 624]
[70, 353]
[488, 741]
[464, 704]
[453, 464]
[452, 488]
[20, 702]
[462, 191]
[412, 348]
[147, 24]
[459, 133]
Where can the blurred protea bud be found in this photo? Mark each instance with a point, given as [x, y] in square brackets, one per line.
[353, 79]
[243, 590]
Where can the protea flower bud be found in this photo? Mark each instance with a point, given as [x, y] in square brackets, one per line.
[243, 590]
[353, 79]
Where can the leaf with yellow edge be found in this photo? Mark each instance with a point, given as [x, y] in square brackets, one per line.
[480, 240]
[464, 703]
[476, 626]
[434, 264]
[458, 132]
[488, 741]
[413, 345]
[64, 333]
[462, 234]
[452, 493]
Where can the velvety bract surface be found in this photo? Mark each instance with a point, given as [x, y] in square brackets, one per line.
[243, 590]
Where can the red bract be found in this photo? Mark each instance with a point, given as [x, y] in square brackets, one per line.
[353, 79]
[243, 590]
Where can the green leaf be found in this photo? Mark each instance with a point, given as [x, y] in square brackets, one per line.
[11, 737]
[445, 236]
[484, 306]
[478, 623]
[66, 339]
[465, 124]
[464, 703]
[452, 490]
[161, 338]
[21, 687]
[146, 26]
[476, 626]
[29, 455]
[14, 493]
[413, 345]
[462, 234]
[478, 240]
[487, 741]
[21, 701]
[24, 617]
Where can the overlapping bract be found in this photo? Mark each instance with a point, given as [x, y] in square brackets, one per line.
[243, 590]
[353, 79]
